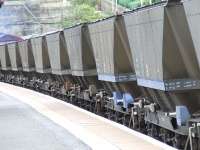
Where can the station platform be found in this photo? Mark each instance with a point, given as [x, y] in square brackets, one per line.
[92, 131]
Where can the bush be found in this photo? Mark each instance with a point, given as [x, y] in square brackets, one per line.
[87, 2]
[85, 13]
[82, 13]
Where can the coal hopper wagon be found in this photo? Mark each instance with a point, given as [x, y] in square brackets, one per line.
[115, 67]
[166, 64]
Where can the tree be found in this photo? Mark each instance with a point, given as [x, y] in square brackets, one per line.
[80, 13]
[86, 13]
[91, 3]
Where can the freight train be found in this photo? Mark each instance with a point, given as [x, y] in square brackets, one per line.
[140, 68]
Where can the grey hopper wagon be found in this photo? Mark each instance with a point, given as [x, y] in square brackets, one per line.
[26, 54]
[193, 18]
[15, 58]
[80, 51]
[4, 58]
[164, 56]
[112, 54]
[40, 54]
[112, 51]
[58, 54]
[81, 57]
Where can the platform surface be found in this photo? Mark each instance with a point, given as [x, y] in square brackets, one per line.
[82, 127]
[23, 128]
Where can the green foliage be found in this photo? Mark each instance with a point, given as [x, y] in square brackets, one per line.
[131, 4]
[85, 13]
[82, 11]
[87, 2]
[85, 10]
